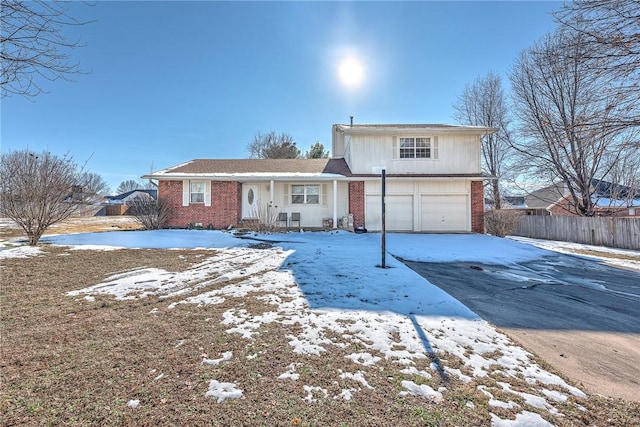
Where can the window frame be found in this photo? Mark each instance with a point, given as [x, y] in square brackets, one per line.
[201, 193]
[306, 195]
[414, 149]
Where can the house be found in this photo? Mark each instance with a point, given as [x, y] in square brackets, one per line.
[609, 200]
[121, 204]
[433, 182]
[129, 196]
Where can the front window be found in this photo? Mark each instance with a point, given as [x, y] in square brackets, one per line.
[305, 194]
[196, 192]
[415, 148]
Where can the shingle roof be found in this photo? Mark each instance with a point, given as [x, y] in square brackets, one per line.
[152, 193]
[261, 166]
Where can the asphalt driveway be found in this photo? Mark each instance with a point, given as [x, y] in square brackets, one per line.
[580, 315]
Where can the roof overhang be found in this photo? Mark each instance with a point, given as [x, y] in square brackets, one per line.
[414, 129]
[247, 177]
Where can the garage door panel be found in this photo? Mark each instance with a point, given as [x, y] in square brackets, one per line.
[399, 212]
[444, 213]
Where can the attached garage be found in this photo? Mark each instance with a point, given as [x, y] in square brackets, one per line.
[414, 205]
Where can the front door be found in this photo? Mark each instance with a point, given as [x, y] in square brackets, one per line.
[249, 201]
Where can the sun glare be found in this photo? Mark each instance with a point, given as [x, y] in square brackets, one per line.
[351, 72]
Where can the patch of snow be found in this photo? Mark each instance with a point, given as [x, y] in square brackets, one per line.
[366, 359]
[312, 391]
[291, 373]
[133, 403]
[225, 357]
[223, 391]
[555, 395]
[358, 377]
[346, 394]
[412, 370]
[523, 419]
[421, 390]
[19, 251]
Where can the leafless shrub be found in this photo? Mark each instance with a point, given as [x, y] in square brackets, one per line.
[501, 222]
[36, 190]
[265, 219]
[151, 214]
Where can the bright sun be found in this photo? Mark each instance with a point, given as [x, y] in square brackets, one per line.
[351, 72]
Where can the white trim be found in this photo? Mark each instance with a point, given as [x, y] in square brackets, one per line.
[186, 192]
[207, 193]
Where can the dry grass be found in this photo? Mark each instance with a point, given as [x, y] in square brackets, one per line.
[67, 361]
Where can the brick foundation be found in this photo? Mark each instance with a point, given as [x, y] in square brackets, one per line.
[477, 207]
[356, 202]
[225, 209]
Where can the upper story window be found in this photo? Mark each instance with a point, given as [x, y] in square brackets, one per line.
[305, 194]
[415, 148]
[196, 192]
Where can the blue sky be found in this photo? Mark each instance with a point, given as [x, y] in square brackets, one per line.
[173, 81]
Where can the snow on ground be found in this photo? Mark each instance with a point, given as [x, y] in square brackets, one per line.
[575, 248]
[19, 251]
[330, 287]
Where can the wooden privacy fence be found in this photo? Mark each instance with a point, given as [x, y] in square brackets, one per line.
[610, 231]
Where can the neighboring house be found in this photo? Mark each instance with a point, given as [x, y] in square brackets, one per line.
[126, 198]
[433, 182]
[609, 199]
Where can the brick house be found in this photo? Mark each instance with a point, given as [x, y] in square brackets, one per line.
[609, 200]
[434, 182]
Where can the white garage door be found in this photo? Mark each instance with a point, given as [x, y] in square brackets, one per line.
[399, 213]
[444, 213]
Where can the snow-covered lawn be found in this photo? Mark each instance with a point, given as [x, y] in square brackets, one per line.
[330, 287]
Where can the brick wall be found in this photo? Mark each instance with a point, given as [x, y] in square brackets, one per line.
[356, 202]
[477, 207]
[226, 199]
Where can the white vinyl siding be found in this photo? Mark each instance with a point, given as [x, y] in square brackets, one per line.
[449, 154]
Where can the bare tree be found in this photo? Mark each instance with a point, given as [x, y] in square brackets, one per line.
[316, 151]
[564, 108]
[35, 190]
[34, 46]
[95, 184]
[273, 146]
[484, 104]
[129, 185]
[610, 41]
[151, 214]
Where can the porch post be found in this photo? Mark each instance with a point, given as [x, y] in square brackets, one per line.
[335, 203]
[271, 192]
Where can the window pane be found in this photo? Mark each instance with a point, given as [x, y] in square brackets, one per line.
[313, 199]
[297, 198]
[406, 142]
[197, 198]
[406, 153]
[313, 189]
[197, 187]
[423, 153]
[297, 189]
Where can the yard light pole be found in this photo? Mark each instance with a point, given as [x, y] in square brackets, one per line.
[383, 219]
